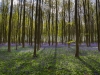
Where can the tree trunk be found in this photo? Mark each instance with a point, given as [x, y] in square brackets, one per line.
[9, 32]
[77, 32]
[23, 27]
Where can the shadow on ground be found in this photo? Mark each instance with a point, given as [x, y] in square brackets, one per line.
[91, 67]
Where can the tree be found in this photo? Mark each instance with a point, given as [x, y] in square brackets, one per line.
[56, 22]
[39, 26]
[23, 26]
[9, 32]
[69, 23]
[32, 22]
[77, 32]
[20, 22]
[49, 13]
[98, 31]
[52, 24]
[35, 38]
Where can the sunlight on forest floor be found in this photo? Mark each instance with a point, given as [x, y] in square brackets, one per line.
[50, 61]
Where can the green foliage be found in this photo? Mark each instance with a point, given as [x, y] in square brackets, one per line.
[71, 41]
[49, 62]
[70, 23]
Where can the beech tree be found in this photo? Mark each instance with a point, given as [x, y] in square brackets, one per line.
[77, 32]
[97, 21]
[56, 35]
[35, 38]
[23, 26]
[9, 32]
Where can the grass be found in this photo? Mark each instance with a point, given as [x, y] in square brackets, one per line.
[51, 61]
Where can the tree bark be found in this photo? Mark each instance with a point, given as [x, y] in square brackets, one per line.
[77, 32]
[9, 32]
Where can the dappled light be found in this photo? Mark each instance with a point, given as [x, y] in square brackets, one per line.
[49, 37]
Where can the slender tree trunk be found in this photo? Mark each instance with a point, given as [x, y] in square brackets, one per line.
[9, 32]
[62, 27]
[32, 23]
[77, 32]
[69, 24]
[89, 22]
[39, 26]
[23, 27]
[52, 25]
[98, 31]
[56, 22]
[86, 25]
[49, 22]
[35, 39]
[19, 36]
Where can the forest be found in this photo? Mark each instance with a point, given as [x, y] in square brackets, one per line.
[49, 37]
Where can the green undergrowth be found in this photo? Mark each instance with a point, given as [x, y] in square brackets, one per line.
[49, 61]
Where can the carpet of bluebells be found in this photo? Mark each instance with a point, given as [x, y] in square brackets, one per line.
[50, 60]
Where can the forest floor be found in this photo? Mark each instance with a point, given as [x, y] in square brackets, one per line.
[50, 60]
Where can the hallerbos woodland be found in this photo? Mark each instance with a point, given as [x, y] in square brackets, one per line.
[51, 27]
